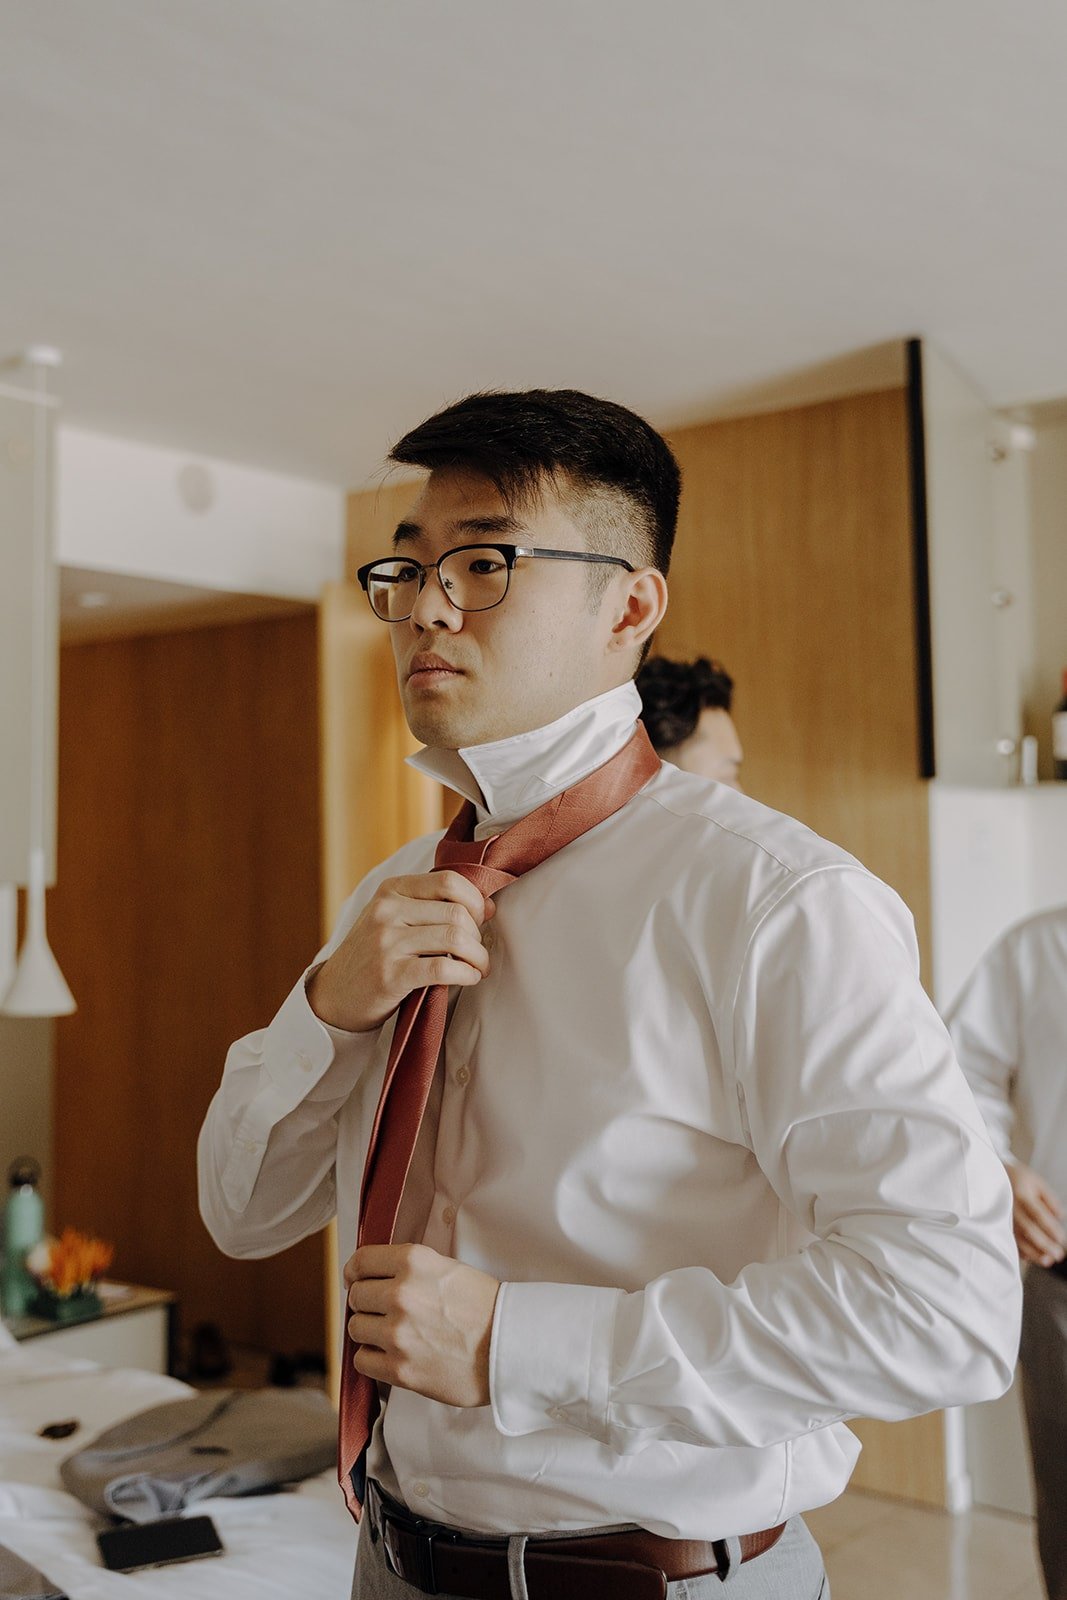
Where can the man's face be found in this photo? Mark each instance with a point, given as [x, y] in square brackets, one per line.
[713, 749]
[470, 677]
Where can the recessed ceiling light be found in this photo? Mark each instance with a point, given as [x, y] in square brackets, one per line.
[93, 599]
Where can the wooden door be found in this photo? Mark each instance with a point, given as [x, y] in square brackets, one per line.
[187, 905]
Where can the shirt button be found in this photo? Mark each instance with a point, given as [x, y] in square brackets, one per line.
[557, 1414]
[304, 1061]
[463, 1076]
[420, 1488]
[448, 1216]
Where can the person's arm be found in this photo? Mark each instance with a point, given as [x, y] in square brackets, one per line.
[266, 1151]
[268, 1146]
[907, 1297]
[984, 1022]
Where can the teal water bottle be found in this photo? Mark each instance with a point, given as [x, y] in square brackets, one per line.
[23, 1229]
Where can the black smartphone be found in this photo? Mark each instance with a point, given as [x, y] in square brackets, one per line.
[157, 1544]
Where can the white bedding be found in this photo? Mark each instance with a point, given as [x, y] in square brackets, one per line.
[298, 1545]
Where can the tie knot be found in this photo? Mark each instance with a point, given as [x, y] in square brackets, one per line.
[468, 858]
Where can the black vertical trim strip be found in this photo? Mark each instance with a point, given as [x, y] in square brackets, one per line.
[924, 659]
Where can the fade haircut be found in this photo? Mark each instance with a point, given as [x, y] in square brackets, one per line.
[674, 693]
[614, 472]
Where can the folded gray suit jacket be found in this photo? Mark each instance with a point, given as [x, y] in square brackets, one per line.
[221, 1442]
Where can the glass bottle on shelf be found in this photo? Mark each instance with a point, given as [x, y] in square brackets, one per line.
[23, 1229]
[1059, 733]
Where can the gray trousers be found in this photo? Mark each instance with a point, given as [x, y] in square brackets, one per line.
[793, 1570]
[1043, 1358]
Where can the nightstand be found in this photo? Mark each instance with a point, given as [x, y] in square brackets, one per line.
[136, 1328]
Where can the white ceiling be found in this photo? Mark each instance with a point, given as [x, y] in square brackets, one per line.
[283, 230]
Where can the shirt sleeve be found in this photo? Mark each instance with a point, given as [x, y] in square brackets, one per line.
[984, 1024]
[901, 1293]
[268, 1145]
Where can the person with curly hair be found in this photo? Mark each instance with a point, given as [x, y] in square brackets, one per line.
[686, 710]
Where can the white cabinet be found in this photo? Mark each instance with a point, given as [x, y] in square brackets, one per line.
[134, 1330]
[971, 525]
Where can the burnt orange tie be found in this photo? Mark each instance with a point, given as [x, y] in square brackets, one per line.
[491, 865]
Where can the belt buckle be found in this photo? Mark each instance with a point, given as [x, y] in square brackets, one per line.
[409, 1554]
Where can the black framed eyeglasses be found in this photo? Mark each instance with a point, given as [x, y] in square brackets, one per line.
[473, 577]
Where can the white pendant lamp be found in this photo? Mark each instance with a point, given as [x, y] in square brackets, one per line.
[39, 988]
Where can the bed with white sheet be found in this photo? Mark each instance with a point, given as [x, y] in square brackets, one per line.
[298, 1544]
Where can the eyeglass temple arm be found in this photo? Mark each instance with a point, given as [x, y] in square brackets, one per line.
[572, 555]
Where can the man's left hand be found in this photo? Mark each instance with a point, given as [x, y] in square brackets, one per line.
[422, 1321]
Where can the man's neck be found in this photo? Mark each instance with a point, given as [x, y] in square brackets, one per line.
[508, 778]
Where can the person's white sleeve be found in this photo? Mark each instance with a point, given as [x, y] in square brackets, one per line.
[267, 1148]
[906, 1296]
[984, 1024]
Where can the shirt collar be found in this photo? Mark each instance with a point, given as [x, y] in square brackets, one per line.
[509, 778]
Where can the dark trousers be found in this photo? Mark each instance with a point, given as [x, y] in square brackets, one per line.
[1043, 1358]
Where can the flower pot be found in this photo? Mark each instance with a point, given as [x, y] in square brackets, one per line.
[80, 1306]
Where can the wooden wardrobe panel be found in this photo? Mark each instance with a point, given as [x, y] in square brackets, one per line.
[794, 567]
[188, 903]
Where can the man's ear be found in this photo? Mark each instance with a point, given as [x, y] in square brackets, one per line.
[639, 610]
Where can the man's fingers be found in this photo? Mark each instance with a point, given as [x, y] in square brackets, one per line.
[451, 940]
[444, 885]
[380, 1261]
[1042, 1245]
[1051, 1201]
[373, 1363]
[1040, 1258]
[438, 914]
[366, 1329]
[372, 1261]
[1039, 1216]
[371, 1295]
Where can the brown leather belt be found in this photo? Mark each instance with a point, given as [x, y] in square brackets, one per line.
[630, 1565]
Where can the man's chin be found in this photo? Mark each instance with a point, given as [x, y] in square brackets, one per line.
[437, 725]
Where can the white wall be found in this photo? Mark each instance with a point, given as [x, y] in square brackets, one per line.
[996, 856]
[159, 513]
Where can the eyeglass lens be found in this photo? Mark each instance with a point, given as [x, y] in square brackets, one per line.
[473, 580]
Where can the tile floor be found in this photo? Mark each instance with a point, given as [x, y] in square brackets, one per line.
[878, 1549]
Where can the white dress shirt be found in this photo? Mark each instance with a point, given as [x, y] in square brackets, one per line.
[1009, 1026]
[702, 1121]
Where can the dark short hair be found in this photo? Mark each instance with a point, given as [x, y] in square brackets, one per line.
[519, 439]
[674, 693]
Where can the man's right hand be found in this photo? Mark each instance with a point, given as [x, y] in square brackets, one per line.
[1037, 1216]
[414, 932]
